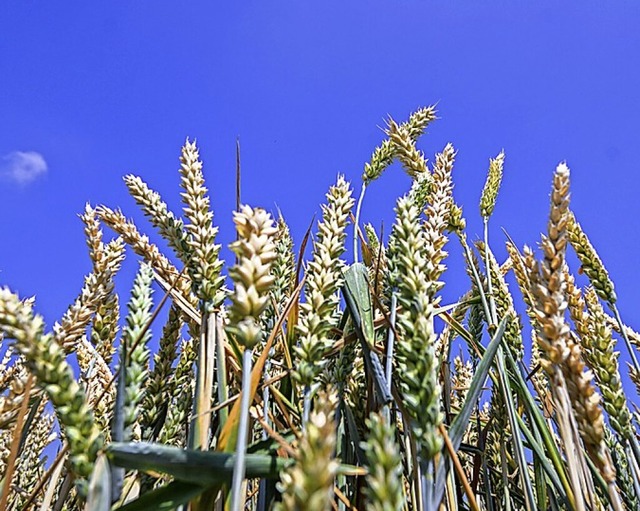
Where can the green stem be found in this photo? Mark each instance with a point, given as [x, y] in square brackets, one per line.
[623, 330]
[357, 223]
[237, 500]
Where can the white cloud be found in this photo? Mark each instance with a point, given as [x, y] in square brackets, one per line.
[22, 167]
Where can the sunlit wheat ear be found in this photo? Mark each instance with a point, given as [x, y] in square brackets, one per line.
[96, 377]
[160, 383]
[598, 345]
[75, 320]
[145, 249]
[562, 356]
[134, 358]
[104, 328]
[7, 369]
[411, 273]
[547, 280]
[634, 376]
[255, 252]
[154, 208]
[323, 280]
[6, 438]
[522, 277]
[437, 219]
[492, 185]
[416, 254]
[634, 337]
[384, 154]
[46, 361]
[284, 265]
[205, 266]
[591, 263]
[94, 235]
[520, 270]
[98, 285]
[308, 485]
[384, 482]
[412, 159]
[461, 381]
[99, 301]
[420, 189]
[252, 276]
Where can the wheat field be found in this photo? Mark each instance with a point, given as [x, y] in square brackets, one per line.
[293, 380]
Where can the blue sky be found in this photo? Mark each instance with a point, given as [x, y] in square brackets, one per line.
[92, 92]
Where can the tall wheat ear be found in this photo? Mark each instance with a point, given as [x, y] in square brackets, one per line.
[205, 265]
[562, 358]
[324, 277]
[416, 254]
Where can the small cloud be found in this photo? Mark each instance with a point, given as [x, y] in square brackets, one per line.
[22, 167]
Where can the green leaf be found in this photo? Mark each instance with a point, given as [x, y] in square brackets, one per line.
[99, 497]
[166, 498]
[199, 467]
[358, 300]
[459, 424]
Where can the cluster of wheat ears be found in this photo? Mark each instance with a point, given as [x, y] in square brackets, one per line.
[317, 385]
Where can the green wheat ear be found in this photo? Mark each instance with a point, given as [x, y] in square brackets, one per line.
[384, 154]
[46, 360]
[384, 462]
[591, 263]
[308, 485]
[135, 354]
[492, 185]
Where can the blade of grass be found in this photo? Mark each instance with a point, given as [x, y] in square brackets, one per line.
[221, 369]
[459, 424]
[542, 428]
[538, 450]
[167, 498]
[517, 439]
[458, 468]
